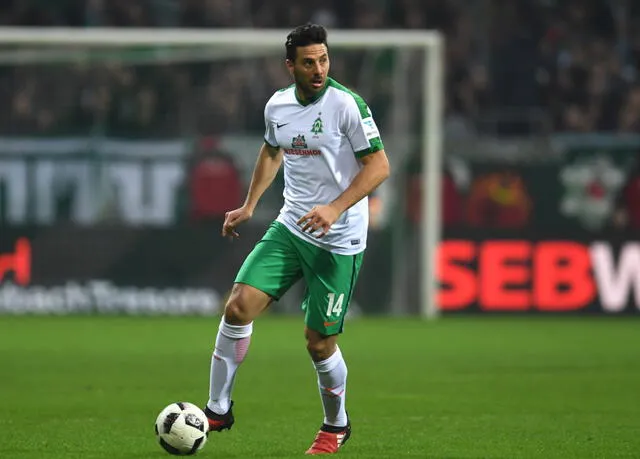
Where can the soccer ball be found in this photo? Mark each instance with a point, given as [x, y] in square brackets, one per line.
[181, 429]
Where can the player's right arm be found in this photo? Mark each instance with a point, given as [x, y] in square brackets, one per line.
[264, 172]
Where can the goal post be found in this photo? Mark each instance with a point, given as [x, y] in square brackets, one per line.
[35, 45]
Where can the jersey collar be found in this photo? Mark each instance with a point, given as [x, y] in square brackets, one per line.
[304, 103]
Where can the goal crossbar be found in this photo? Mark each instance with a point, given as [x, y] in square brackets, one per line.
[168, 36]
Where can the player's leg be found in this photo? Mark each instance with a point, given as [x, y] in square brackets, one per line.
[330, 279]
[332, 376]
[269, 271]
[232, 344]
[332, 384]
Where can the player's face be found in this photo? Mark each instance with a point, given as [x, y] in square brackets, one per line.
[310, 68]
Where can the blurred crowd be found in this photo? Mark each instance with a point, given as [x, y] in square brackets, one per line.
[514, 67]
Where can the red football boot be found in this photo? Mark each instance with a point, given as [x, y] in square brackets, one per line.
[330, 439]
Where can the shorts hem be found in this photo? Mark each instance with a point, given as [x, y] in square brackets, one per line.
[327, 331]
[273, 296]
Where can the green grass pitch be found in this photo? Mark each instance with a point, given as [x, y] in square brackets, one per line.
[472, 387]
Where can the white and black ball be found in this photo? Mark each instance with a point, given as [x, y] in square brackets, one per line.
[181, 429]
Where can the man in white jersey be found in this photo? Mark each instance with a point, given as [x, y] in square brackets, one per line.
[333, 159]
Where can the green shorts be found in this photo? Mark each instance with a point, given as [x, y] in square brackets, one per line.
[280, 259]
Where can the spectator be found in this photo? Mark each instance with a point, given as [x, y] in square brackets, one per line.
[499, 200]
[630, 113]
[627, 213]
[214, 183]
[453, 201]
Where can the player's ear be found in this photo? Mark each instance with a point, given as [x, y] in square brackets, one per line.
[289, 64]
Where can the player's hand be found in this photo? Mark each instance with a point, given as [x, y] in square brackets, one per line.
[232, 219]
[320, 218]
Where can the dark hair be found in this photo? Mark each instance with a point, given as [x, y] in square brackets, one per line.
[305, 35]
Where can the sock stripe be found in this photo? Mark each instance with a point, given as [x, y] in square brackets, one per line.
[331, 391]
[242, 346]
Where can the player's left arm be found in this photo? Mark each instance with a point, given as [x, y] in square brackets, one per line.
[361, 130]
[374, 171]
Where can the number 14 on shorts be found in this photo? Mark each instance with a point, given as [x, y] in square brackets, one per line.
[335, 304]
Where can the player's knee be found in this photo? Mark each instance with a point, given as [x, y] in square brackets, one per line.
[236, 312]
[321, 348]
[242, 307]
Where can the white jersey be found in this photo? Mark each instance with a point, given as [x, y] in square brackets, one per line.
[322, 140]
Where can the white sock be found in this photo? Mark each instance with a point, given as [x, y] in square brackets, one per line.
[332, 382]
[231, 348]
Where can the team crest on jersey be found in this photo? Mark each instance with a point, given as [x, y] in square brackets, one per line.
[316, 128]
[299, 142]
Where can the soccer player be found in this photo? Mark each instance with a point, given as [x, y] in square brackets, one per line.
[333, 159]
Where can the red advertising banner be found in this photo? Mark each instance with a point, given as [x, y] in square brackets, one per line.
[512, 275]
[17, 263]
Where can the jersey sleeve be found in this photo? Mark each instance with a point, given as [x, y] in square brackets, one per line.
[269, 132]
[360, 128]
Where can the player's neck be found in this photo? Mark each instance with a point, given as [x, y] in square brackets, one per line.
[304, 99]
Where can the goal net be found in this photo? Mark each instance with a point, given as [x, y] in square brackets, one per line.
[102, 125]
